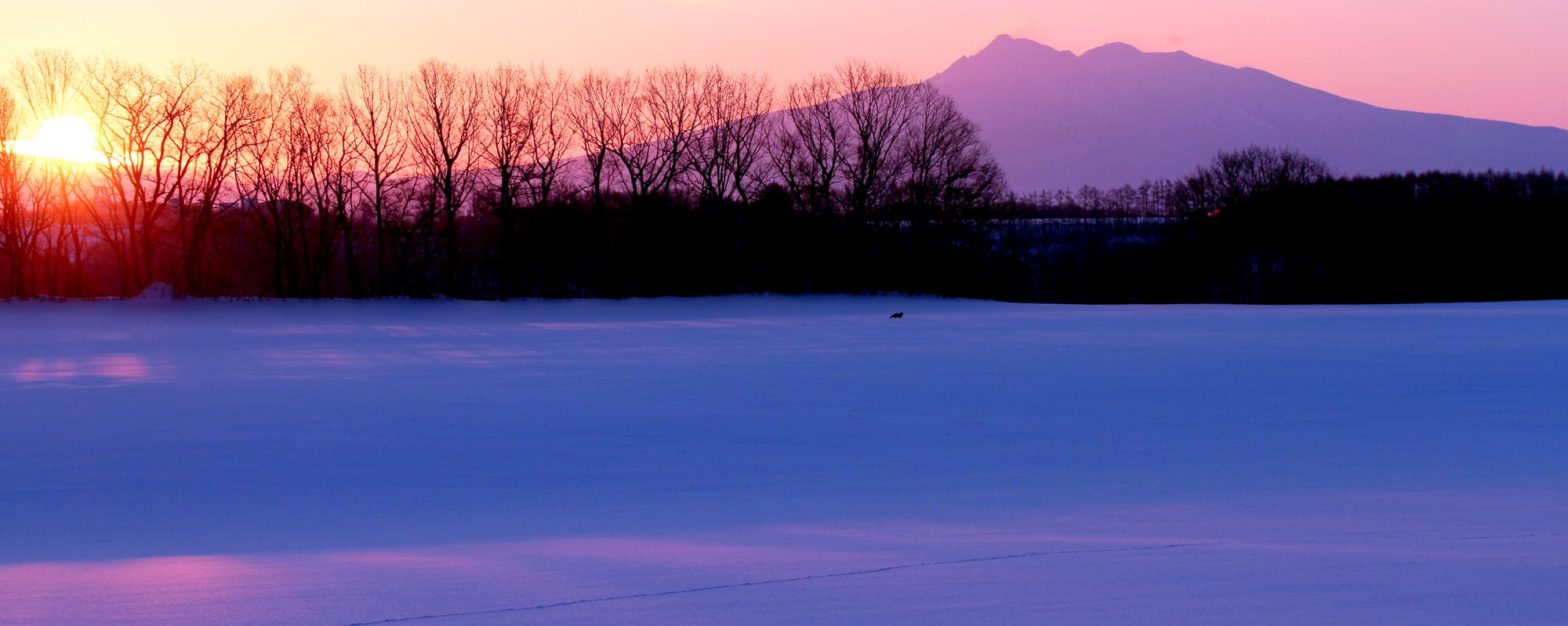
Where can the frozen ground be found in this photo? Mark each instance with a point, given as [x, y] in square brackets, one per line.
[781, 460]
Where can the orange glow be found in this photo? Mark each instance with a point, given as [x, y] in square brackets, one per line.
[66, 138]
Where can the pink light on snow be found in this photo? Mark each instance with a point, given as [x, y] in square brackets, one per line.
[108, 368]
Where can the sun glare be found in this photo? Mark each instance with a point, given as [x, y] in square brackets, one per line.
[66, 138]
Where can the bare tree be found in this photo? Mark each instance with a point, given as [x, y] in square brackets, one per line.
[877, 104]
[602, 112]
[506, 96]
[373, 102]
[229, 120]
[507, 119]
[735, 136]
[48, 81]
[146, 130]
[334, 184]
[549, 132]
[654, 146]
[277, 177]
[1237, 175]
[445, 107]
[945, 165]
[21, 222]
[812, 142]
[316, 162]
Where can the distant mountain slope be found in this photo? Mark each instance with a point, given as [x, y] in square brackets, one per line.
[1115, 115]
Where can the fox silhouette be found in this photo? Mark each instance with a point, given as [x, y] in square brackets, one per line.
[896, 316]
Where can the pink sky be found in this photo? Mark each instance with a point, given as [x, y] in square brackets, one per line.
[1503, 59]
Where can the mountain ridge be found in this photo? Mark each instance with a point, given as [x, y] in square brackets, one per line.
[1116, 115]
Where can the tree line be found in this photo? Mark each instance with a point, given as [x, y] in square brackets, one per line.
[528, 182]
[515, 181]
[1273, 226]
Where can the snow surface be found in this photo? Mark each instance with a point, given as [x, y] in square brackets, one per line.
[781, 460]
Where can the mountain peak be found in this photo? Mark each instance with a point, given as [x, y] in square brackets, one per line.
[1009, 43]
[1117, 115]
[1006, 55]
[1116, 49]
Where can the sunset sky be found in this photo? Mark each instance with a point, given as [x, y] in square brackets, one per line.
[1503, 59]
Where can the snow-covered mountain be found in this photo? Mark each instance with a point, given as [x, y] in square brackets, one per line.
[1116, 115]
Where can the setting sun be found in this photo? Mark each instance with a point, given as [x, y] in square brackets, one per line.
[65, 138]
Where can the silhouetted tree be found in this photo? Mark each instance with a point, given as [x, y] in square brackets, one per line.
[878, 104]
[813, 143]
[945, 165]
[147, 124]
[546, 108]
[48, 82]
[226, 125]
[734, 136]
[656, 141]
[374, 104]
[446, 126]
[1237, 175]
[507, 96]
[603, 114]
[21, 224]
